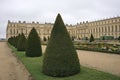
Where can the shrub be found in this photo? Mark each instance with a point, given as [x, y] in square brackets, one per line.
[44, 39]
[60, 57]
[91, 38]
[16, 40]
[21, 46]
[33, 46]
[11, 40]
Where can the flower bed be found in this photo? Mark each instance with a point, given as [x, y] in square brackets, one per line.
[99, 47]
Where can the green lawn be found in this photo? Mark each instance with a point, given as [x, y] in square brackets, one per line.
[34, 67]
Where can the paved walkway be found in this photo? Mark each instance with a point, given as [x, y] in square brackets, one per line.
[10, 67]
[101, 61]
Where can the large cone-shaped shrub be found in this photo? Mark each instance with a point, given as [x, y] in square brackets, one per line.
[33, 46]
[21, 46]
[60, 57]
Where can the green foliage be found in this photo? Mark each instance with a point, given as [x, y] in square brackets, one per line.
[44, 39]
[21, 46]
[103, 38]
[107, 38]
[16, 40]
[34, 66]
[60, 57]
[33, 46]
[91, 38]
[119, 38]
[11, 40]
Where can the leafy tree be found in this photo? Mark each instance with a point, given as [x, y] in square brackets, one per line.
[21, 46]
[33, 46]
[91, 38]
[60, 57]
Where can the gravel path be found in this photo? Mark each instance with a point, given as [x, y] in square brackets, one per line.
[10, 67]
[101, 61]
[105, 62]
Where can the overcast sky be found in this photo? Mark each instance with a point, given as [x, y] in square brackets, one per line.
[72, 11]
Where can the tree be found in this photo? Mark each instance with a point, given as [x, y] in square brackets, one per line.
[21, 46]
[16, 40]
[33, 46]
[44, 39]
[91, 38]
[103, 38]
[119, 38]
[60, 57]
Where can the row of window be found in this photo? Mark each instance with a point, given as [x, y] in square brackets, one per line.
[13, 31]
[115, 28]
[109, 21]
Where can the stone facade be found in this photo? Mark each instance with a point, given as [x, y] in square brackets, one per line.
[106, 27]
[14, 28]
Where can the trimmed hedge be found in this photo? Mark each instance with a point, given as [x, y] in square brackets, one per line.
[21, 46]
[91, 38]
[60, 57]
[33, 46]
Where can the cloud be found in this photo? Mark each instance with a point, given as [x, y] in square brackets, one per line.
[72, 11]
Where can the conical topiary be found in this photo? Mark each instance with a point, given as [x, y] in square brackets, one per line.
[21, 46]
[17, 39]
[33, 46]
[91, 38]
[60, 57]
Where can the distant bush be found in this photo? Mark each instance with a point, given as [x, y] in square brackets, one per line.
[91, 38]
[21, 46]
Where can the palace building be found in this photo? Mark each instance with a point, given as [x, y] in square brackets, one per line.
[99, 28]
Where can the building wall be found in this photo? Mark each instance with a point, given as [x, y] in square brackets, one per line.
[14, 29]
[106, 27]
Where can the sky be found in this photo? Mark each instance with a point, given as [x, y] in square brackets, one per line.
[72, 11]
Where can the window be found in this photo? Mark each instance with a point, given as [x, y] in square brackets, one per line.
[21, 30]
[112, 28]
[102, 29]
[105, 29]
[108, 28]
[115, 28]
[17, 31]
[10, 31]
[14, 31]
